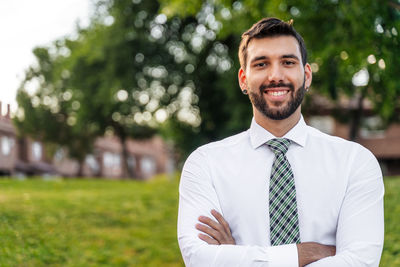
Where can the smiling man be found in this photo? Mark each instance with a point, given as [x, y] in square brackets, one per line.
[281, 193]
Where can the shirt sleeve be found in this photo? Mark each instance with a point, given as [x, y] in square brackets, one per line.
[197, 196]
[360, 230]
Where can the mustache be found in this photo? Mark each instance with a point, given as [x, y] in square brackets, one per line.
[276, 85]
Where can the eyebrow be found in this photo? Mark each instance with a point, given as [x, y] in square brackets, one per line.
[283, 56]
[291, 56]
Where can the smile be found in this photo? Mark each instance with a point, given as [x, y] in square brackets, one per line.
[277, 93]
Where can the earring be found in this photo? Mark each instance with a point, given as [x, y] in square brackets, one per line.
[244, 92]
[307, 88]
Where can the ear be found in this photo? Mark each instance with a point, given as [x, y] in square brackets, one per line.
[242, 79]
[308, 75]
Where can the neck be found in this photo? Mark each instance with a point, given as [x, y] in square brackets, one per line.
[277, 127]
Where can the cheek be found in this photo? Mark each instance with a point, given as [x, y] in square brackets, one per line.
[253, 85]
[296, 80]
[255, 80]
[297, 76]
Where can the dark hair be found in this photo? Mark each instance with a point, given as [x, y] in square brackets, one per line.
[269, 27]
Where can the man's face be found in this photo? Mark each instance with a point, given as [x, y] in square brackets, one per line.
[275, 77]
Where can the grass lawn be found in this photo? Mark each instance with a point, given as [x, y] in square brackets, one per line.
[113, 223]
[88, 223]
[391, 248]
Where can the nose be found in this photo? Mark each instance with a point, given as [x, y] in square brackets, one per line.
[275, 74]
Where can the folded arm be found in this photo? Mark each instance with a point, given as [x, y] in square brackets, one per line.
[218, 233]
[200, 247]
[359, 236]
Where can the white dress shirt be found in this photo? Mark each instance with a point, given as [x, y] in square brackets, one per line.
[339, 191]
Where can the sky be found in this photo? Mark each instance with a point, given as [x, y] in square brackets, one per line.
[25, 24]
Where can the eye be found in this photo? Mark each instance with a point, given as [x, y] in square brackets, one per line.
[289, 62]
[260, 65]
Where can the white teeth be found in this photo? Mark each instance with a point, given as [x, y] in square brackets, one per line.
[277, 93]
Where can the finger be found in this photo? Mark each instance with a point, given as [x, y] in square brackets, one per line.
[209, 231]
[228, 238]
[222, 223]
[208, 239]
[211, 223]
[221, 220]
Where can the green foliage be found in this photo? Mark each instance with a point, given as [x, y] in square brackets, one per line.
[89, 223]
[112, 78]
[181, 7]
[130, 65]
[49, 113]
[343, 37]
[134, 72]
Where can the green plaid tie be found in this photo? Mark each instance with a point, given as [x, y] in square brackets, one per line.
[284, 222]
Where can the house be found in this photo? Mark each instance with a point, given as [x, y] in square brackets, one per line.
[152, 156]
[26, 156]
[383, 142]
[8, 144]
[20, 156]
[145, 157]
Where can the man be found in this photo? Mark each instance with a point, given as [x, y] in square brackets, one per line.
[281, 193]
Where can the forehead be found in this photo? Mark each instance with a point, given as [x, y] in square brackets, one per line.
[273, 47]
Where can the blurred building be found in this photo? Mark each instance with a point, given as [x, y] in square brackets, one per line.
[31, 158]
[25, 156]
[20, 156]
[145, 158]
[8, 151]
[383, 142]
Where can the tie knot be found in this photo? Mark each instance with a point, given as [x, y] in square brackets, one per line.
[279, 145]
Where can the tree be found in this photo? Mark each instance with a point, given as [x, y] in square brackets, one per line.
[117, 76]
[49, 113]
[129, 81]
[135, 71]
[346, 39]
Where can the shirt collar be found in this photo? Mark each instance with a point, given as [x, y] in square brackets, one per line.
[259, 135]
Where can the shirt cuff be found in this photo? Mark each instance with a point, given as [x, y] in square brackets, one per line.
[283, 256]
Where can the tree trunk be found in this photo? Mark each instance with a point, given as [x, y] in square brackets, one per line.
[81, 162]
[126, 169]
[356, 117]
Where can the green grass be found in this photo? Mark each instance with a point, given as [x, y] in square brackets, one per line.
[391, 248]
[88, 223]
[113, 223]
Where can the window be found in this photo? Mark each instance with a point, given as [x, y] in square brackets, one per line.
[372, 127]
[148, 166]
[60, 154]
[91, 161]
[325, 124]
[111, 160]
[7, 144]
[37, 150]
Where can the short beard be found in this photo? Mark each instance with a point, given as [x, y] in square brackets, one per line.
[281, 113]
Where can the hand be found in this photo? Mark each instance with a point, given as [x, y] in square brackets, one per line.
[311, 251]
[218, 233]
